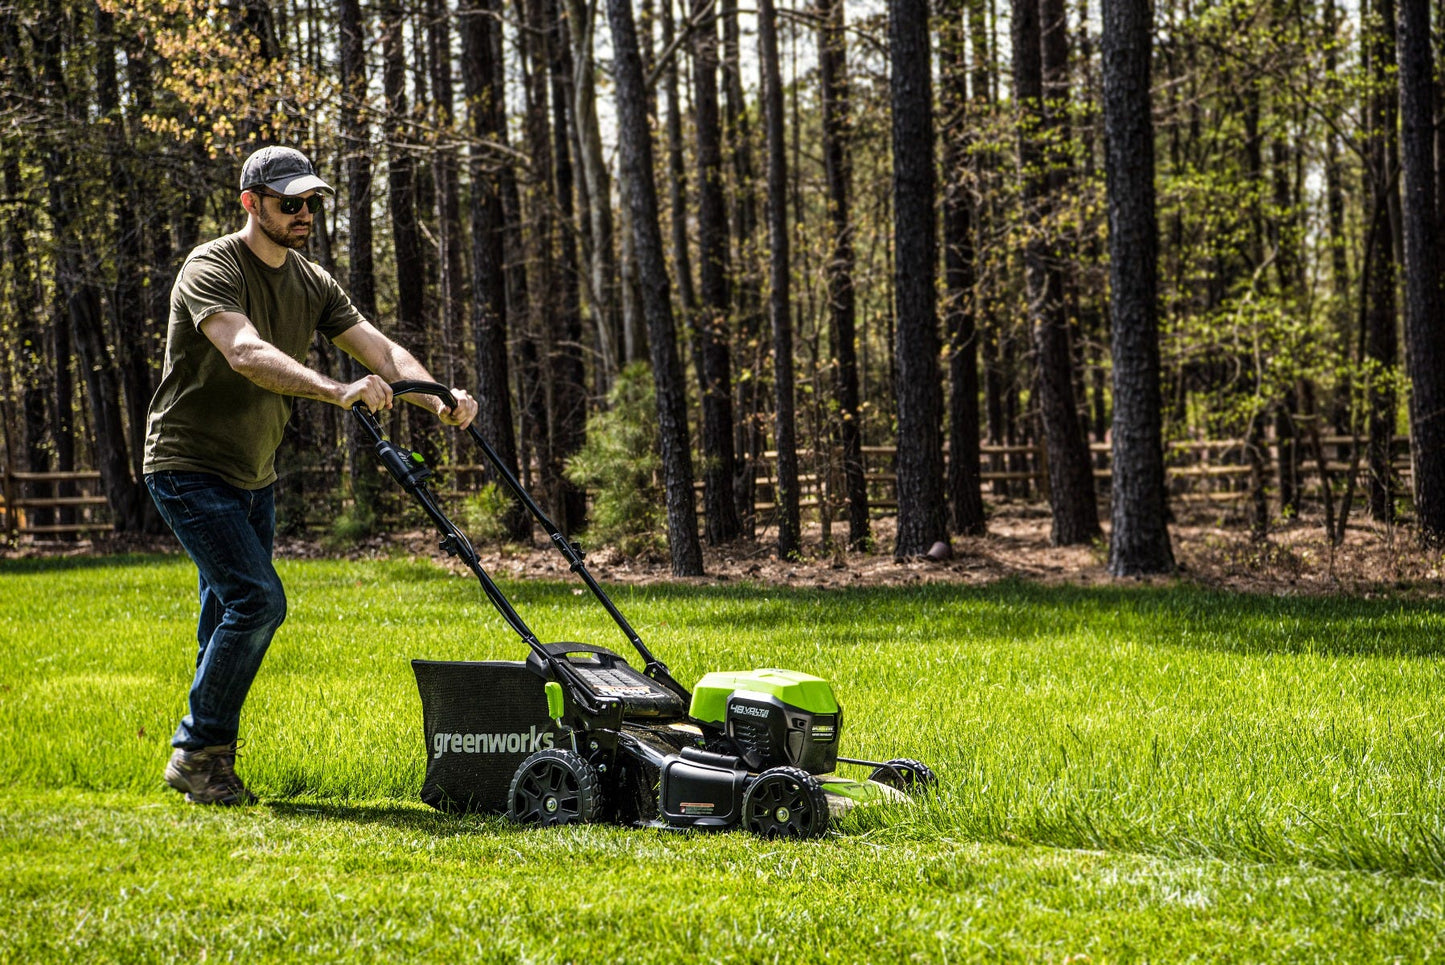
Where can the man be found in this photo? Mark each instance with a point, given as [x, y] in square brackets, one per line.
[244, 310]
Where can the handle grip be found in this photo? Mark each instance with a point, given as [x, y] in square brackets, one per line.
[418, 387]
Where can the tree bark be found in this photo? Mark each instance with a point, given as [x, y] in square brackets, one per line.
[635, 149]
[1139, 541]
[1071, 480]
[842, 299]
[489, 290]
[604, 295]
[446, 173]
[401, 186]
[965, 484]
[84, 309]
[1424, 331]
[917, 388]
[714, 351]
[570, 393]
[361, 271]
[1380, 331]
[748, 413]
[790, 531]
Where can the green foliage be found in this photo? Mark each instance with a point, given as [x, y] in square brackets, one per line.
[620, 463]
[481, 513]
[353, 524]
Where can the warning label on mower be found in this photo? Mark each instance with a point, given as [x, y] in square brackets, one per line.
[521, 742]
[697, 808]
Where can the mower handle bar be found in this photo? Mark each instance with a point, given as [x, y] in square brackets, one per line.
[652, 666]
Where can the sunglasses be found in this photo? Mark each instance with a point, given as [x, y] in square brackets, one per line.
[293, 205]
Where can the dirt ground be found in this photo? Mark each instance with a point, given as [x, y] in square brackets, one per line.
[1295, 558]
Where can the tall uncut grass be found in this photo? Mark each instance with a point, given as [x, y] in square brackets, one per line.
[1140, 724]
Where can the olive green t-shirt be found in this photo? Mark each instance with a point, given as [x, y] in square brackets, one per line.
[205, 417]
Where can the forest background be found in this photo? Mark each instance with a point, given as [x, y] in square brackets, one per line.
[704, 249]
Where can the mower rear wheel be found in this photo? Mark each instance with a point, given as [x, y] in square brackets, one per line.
[785, 802]
[554, 787]
[906, 775]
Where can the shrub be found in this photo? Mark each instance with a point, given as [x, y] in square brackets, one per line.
[619, 464]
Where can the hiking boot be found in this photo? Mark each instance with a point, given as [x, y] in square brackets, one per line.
[208, 776]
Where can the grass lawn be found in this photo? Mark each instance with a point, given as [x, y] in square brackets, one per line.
[1125, 774]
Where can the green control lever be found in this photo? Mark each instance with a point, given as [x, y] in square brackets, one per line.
[554, 700]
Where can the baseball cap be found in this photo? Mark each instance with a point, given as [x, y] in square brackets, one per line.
[282, 169]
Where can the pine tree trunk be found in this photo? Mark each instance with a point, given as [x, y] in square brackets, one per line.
[635, 150]
[842, 299]
[965, 492]
[1139, 541]
[604, 295]
[570, 391]
[1379, 336]
[780, 294]
[1424, 333]
[401, 186]
[714, 350]
[361, 277]
[748, 412]
[446, 174]
[489, 291]
[84, 312]
[917, 388]
[1071, 480]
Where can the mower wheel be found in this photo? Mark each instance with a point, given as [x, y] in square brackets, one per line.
[906, 775]
[785, 802]
[554, 787]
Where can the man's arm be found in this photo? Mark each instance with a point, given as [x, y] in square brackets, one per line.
[365, 343]
[251, 355]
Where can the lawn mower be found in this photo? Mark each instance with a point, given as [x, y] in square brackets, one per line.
[752, 749]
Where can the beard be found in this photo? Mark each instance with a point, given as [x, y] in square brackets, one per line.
[279, 233]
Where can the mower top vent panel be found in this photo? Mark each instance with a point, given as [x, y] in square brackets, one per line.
[797, 690]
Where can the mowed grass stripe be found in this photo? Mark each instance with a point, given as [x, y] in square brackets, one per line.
[1172, 721]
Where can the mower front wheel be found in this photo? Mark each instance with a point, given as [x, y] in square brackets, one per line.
[785, 802]
[908, 776]
[554, 787]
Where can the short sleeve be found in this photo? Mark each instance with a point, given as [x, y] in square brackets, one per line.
[208, 283]
[339, 313]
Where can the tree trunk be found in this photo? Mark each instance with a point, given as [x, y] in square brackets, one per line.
[1071, 479]
[570, 392]
[965, 492]
[84, 310]
[1424, 333]
[780, 294]
[1139, 541]
[748, 412]
[489, 291]
[446, 174]
[361, 277]
[919, 394]
[714, 351]
[401, 187]
[635, 149]
[30, 348]
[842, 299]
[604, 295]
[677, 202]
[1379, 336]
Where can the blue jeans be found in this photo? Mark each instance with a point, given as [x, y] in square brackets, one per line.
[228, 533]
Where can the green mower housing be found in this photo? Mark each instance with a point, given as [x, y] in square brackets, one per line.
[775, 717]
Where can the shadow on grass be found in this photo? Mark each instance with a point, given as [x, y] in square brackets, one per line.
[399, 816]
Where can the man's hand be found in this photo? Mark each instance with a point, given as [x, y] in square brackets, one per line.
[462, 414]
[372, 392]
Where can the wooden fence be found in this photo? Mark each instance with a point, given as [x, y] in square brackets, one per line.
[1212, 471]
